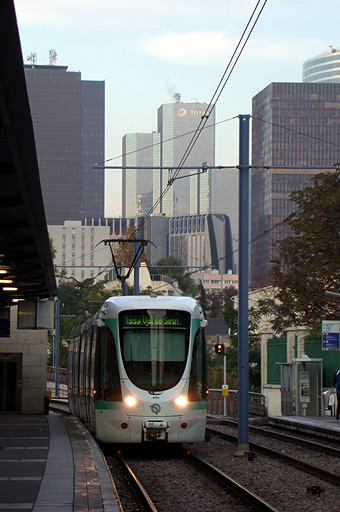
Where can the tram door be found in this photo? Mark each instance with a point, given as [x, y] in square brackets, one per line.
[10, 383]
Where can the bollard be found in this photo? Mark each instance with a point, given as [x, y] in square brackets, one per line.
[47, 403]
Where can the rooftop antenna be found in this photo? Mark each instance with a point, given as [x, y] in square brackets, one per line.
[53, 57]
[33, 58]
[333, 50]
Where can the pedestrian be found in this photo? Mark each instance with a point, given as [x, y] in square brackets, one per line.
[331, 402]
[336, 385]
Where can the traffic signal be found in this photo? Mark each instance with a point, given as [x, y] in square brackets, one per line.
[219, 348]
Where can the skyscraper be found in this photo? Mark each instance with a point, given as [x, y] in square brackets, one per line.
[177, 123]
[92, 148]
[323, 68]
[140, 151]
[68, 122]
[190, 194]
[294, 125]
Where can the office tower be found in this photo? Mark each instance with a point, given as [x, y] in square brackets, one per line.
[68, 122]
[92, 148]
[143, 187]
[202, 241]
[140, 154]
[323, 68]
[177, 123]
[296, 127]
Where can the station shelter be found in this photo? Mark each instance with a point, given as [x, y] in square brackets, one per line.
[296, 373]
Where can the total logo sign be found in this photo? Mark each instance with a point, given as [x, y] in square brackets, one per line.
[182, 112]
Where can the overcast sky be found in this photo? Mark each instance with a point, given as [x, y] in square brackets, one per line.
[146, 50]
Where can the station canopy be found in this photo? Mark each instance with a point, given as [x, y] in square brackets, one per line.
[25, 255]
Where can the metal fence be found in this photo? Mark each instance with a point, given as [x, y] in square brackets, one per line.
[228, 406]
[62, 381]
[62, 374]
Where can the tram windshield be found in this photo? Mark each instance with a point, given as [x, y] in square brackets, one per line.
[154, 346]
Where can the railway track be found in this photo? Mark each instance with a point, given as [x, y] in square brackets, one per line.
[298, 463]
[220, 490]
[251, 500]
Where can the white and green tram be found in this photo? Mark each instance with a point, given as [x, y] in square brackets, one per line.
[137, 370]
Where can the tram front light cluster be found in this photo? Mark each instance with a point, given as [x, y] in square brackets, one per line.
[181, 401]
[130, 401]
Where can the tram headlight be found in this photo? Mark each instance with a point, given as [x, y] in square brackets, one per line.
[130, 401]
[181, 401]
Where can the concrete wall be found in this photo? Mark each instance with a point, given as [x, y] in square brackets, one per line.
[32, 345]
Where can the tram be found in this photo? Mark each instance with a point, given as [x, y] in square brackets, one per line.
[137, 370]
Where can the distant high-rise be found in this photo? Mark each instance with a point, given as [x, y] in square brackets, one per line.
[92, 148]
[68, 121]
[294, 125]
[323, 68]
[140, 150]
[177, 123]
[143, 188]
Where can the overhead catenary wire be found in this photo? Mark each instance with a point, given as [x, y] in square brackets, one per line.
[218, 91]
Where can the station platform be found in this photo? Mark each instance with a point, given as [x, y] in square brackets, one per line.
[51, 463]
[327, 426]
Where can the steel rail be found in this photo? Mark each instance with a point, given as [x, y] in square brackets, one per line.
[321, 473]
[255, 501]
[313, 445]
[147, 501]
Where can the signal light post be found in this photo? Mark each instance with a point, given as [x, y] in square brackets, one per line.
[219, 349]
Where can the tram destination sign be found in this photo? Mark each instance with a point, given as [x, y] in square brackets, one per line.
[330, 335]
[155, 319]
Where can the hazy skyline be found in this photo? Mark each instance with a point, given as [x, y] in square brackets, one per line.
[148, 50]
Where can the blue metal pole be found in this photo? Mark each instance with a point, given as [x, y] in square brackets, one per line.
[57, 319]
[243, 287]
[136, 270]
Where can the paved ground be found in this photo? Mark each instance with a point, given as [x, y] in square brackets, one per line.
[52, 464]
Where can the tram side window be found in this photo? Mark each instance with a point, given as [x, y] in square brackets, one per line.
[198, 374]
[75, 363]
[81, 363]
[107, 374]
[70, 366]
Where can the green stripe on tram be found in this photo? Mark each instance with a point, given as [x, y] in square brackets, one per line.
[114, 406]
[109, 406]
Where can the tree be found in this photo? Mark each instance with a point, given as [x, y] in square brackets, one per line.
[309, 259]
[219, 300]
[202, 297]
[173, 267]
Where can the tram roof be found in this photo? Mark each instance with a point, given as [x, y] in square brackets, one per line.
[24, 242]
[154, 301]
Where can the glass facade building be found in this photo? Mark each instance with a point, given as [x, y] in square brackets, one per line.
[323, 68]
[92, 148]
[140, 150]
[142, 188]
[177, 123]
[68, 122]
[294, 125]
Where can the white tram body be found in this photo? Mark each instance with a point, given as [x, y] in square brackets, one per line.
[137, 370]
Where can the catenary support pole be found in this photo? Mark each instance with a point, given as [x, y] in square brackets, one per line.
[136, 270]
[57, 320]
[243, 349]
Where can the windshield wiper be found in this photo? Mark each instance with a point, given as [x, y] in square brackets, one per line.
[152, 392]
